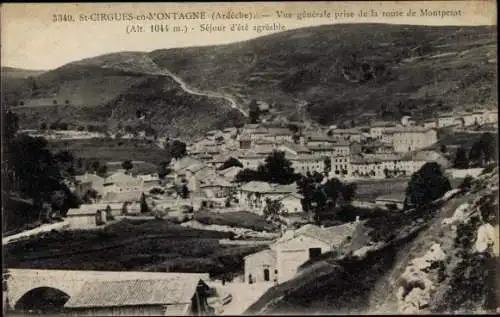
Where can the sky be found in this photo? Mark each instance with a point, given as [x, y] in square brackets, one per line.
[31, 40]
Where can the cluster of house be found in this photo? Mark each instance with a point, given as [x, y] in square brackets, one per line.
[375, 152]
[463, 119]
[118, 193]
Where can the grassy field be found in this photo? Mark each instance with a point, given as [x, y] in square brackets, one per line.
[112, 149]
[453, 140]
[131, 245]
[371, 189]
[241, 219]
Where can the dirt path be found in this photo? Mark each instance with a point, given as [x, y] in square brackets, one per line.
[192, 91]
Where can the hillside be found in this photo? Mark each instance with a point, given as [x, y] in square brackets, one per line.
[337, 71]
[343, 70]
[432, 262]
[109, 89]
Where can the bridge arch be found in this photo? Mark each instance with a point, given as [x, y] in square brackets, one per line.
[44, 299]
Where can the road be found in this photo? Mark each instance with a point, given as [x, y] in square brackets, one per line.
[189, 90]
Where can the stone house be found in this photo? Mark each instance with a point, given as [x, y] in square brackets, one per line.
[445, 120]
[179, 294]
[261, 267]
[83, 182]
[280, 262]
[216, 187]
[307, 163]
[413, 138]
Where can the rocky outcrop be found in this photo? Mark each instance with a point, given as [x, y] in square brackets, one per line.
[440, 260]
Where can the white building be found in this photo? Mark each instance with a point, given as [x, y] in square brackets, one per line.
[281, 262]
[253, 195]
[413, 138]
[445, 120]
[377, 129]
[353, 135]
[307, 163]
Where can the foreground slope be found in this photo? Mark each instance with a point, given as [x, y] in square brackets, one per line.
[437, 261]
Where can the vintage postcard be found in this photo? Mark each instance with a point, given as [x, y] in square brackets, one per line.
[252, 158]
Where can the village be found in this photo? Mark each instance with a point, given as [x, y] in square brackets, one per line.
[213, 178]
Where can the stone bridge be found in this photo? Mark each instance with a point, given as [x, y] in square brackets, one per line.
[22, 282]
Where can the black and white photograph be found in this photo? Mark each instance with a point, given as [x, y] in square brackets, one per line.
[249, 158]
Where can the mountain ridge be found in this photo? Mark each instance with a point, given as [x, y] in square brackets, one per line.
[327, 74]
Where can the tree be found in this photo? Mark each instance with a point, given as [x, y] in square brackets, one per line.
[348, 193]
[273, 208]
[176, 149]
[466, 183]
[102, 170]
[426, 185]
[10, 125]
[333, 189]
[254, 112]
[278, 169]
[443, 148]
[184, 192]
[230, 163]
[43, 126]
[90, 195]
[306, 188]
[461, 160]
[127, 165]
[66, 102]
[328, 165]
[109, 214]
[247, 175]
[484, 150]
[164, 169]
[144, 205]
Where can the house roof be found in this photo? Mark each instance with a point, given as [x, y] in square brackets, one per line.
[121, 178]
[87, 177]
[255, 186]
[400, 197]
[291, 195]
[230, 171]
[427, 156]
[176, 289]
[408, 130]
[267, 253]
[328, 147]
[123, 196]
[382, 124]
[346, 131]
[217, 182]
[185, 162]
[279, 131]
[303, 157]
[296, 147]
[195, 167]
[331, 235]
[315, 137]
[148, 177]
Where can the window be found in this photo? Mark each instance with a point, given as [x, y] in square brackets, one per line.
[314, 253]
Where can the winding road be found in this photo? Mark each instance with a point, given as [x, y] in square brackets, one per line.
[189, 90]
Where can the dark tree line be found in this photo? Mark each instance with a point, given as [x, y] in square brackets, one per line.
[276, 169]
[30, 169]
[426, 185]
[482, 152]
